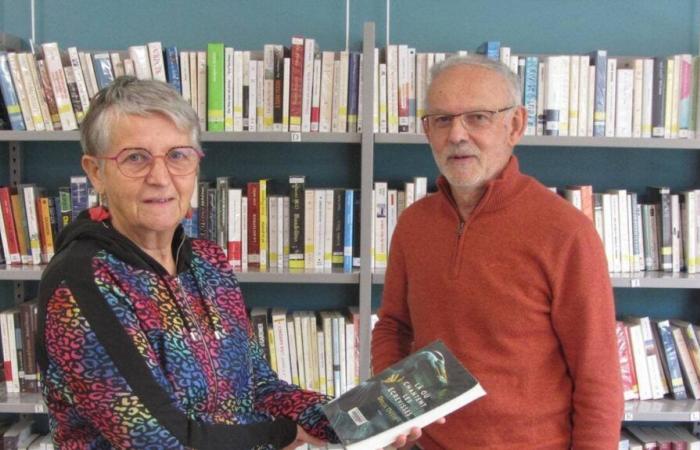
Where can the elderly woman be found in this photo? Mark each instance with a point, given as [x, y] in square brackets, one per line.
[144, 340]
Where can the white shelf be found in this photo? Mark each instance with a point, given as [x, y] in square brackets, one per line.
[22, 403]
[558, 141]
[251, 275]
[664, 410]
[662, 280]
[207, 136]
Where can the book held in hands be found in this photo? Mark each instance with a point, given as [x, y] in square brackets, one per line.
[414, 392]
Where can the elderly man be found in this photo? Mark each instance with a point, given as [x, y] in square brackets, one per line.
[511, 277]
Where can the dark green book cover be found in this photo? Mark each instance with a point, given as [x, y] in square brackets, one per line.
[416, 391]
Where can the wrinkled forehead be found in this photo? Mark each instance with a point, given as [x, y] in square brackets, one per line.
[468, 87]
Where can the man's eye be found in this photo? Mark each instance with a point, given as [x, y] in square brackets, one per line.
[442, 120]
[135, 157]
[477, 117]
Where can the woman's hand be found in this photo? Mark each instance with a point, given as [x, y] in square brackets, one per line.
[407, 440]
[304, 438]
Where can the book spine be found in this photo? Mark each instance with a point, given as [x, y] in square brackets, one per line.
[237, 118]
[262, 229]
[54, 68]
[296, 219]
[229, 65]
[658, 100]
[307, 84]
[278, 85]
[172, 66]
[296, 81]
[348, 230]
[353, 93]
[338, 227]
[599, 59]
[21, 91]
[155, 58]
[215, 86]
[103, 69]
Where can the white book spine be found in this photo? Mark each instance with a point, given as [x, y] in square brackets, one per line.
[54, 67]
[327, 88]
[252, 95]
[31, 92]
[676, 92]
[328, 230]
[193, 80]
[316, 97]
[411, 89]
[541, 98]
[202, 89]
[392, 88]
[647, 91]
[279, 326]
[129, 68]
[321, 347]
[380, 224]
[285, 232]
[382, 98]
[74, 59]
[244, 233]
[319, 227]
[285, 94]
[676, 233]
[689, 231]
[32, 223]
[117, 64]
[349, 355]
[260, 98]
[582, 96]
[574, 80]
[139, 55]
[343, 99]
[307, 84]
[624, 110]
[228, 88]
[234, 227]
[278, 204]
[43, 106]
[309, 232]
[591, 100]
[392, 215]
[402, 74]
[88, 73]
[21, 91]
[610, 97]
[563, 80]
[375, 92]
[155, 57]
[637, 93]
[640, 362]
[335, 120]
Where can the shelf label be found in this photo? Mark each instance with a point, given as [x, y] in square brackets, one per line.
[695, 416]
[635, 282]
[629, 416]
[38, 409]
[296, 137]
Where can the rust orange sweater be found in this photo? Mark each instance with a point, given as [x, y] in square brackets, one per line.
[523, 298]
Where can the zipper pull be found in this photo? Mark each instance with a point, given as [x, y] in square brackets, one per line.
[460, 229]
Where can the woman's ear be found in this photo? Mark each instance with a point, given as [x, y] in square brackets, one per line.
[91, 166]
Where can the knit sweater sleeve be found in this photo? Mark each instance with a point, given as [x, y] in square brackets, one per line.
[583, 315]
[393, 336]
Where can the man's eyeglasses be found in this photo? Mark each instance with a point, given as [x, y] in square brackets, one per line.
[470, 120]
[137, 162]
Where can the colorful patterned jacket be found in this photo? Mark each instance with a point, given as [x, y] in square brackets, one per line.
[132, 357]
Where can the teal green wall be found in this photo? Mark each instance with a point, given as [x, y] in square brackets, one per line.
[631, 27]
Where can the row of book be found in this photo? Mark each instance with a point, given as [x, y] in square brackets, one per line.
[30, 219]
[565, 95]
[659, 358]
[295, 88]
[317, 350]
[268, 226]
[660, 232]
[645, 437]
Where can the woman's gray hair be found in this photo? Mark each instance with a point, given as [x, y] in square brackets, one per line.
[130, 96]
[511, 79]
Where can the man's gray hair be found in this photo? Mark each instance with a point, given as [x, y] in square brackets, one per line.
[511, 79]
[128, 95]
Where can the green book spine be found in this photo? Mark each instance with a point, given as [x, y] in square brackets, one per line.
[215, 86]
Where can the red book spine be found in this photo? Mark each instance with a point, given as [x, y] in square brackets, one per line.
[9, 224]
[296, 78]
[253, 194]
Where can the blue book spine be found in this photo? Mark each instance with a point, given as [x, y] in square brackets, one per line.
[353, 91]
[78, 195]
[530, 93]
[599, 59]
[672, 365]
[348, 230]
[103, 70]
[172, 68]
[9, 96]
[492, 50]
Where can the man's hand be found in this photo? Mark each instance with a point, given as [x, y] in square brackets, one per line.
[407, 440]
[304, 438]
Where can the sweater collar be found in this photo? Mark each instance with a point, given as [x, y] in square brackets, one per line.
[499, 192]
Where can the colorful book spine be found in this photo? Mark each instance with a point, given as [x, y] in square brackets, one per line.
[9, 95]
[215, 86]
[172, 68]
[348, 230]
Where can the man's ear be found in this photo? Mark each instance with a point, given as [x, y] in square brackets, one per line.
[518, 123]
[91, 167]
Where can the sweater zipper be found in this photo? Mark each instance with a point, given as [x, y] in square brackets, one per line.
[457, 255]
[197, 335]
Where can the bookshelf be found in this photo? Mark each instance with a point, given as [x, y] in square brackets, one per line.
[367, 147]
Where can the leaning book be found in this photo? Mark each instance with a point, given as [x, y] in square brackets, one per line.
[416, 391]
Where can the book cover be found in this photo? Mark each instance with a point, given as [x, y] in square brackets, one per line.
[416, 391]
